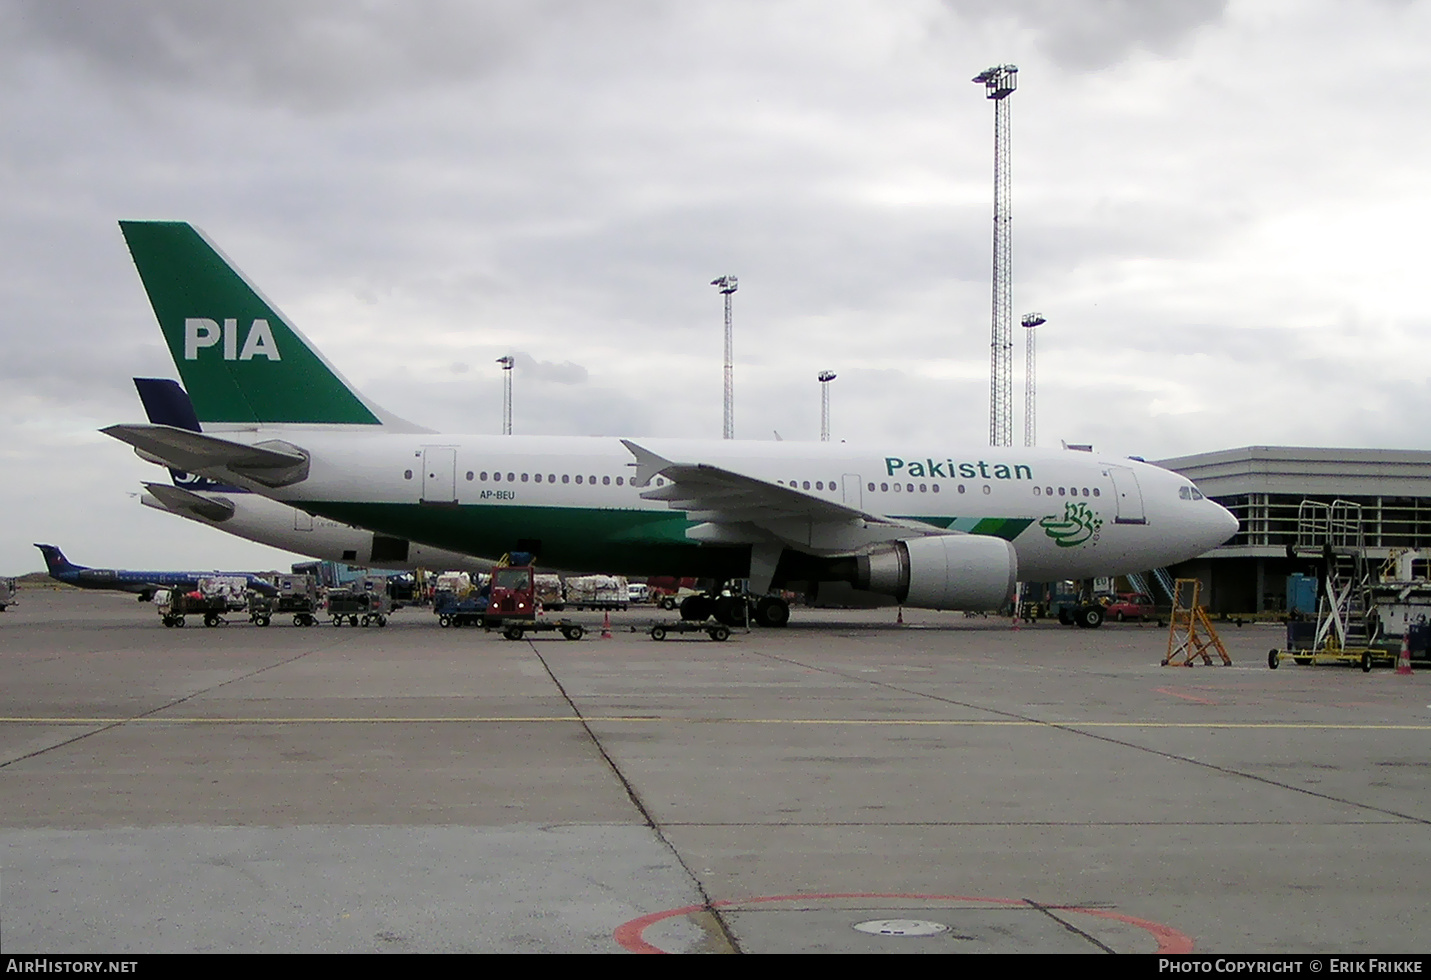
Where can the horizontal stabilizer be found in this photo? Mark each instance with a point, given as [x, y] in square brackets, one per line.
[177, 499]
[274, 463]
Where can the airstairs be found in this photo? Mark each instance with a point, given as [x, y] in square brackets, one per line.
[1161, 576]
[1335, 530]
[1346, 630]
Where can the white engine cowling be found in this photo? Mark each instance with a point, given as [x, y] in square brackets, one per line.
[955, 571]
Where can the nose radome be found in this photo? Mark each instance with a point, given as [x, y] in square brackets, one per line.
[1226, 524]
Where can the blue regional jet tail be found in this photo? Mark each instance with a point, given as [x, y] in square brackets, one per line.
[167, 403]
[56, 562]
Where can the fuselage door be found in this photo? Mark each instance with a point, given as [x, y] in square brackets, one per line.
[1130, 496]
[853, 490]
[302, 520]
[439, 475]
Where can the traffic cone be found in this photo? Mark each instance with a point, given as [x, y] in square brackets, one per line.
[606, 625]
[1403, 660]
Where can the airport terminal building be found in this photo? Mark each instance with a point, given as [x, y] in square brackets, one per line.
[1264, 486]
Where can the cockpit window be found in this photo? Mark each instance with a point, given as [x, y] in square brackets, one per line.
[1190, 493]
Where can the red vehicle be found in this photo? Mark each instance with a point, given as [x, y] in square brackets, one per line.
[513, 595]
[1131, 605]
[512, 606]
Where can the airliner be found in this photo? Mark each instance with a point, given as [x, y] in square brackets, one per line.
[142, 583]
[930, 524]
[256, 518]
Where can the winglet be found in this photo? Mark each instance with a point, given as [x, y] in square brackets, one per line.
[648, 464]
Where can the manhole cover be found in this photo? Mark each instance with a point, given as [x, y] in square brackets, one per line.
[901, 927]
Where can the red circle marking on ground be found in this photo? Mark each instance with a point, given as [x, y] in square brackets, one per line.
[631, 934]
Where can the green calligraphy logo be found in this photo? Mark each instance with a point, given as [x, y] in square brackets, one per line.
[1078, 524]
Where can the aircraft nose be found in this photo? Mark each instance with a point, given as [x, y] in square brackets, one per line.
[1223, 525]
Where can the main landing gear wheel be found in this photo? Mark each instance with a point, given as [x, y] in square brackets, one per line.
[697, 608]
[730, 610]
[772, 612]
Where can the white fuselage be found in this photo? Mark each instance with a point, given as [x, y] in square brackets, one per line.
[1068, 514]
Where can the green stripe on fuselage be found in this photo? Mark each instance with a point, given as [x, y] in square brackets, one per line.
[640, 542]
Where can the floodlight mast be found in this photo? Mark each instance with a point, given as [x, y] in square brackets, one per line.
[728, 285]
[508, 362]
[1030, 321]
[825, 377]
[999, 83]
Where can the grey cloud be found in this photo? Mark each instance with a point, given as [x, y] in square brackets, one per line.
[1086, 35]
[318, 54]
[565, 373]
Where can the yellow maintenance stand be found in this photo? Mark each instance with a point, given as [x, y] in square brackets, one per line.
[1190, 633]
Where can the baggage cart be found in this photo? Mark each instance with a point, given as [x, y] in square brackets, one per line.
[176, 606]
[457, 610]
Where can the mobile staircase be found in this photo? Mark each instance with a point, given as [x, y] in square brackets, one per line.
[1346, 631]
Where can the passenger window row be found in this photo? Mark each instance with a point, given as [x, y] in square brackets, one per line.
[512, 477]
[497, 477]
[1066, 491]
[910, 488]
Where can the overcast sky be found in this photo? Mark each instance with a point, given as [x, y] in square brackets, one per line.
[1220, 207]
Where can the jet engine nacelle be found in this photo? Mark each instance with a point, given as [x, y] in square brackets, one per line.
[955, 571]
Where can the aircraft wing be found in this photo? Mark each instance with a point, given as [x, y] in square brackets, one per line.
[735, 508]
[274, 463]
[177, 498]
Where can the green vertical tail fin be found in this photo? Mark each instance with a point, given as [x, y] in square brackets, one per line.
[241, 360]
